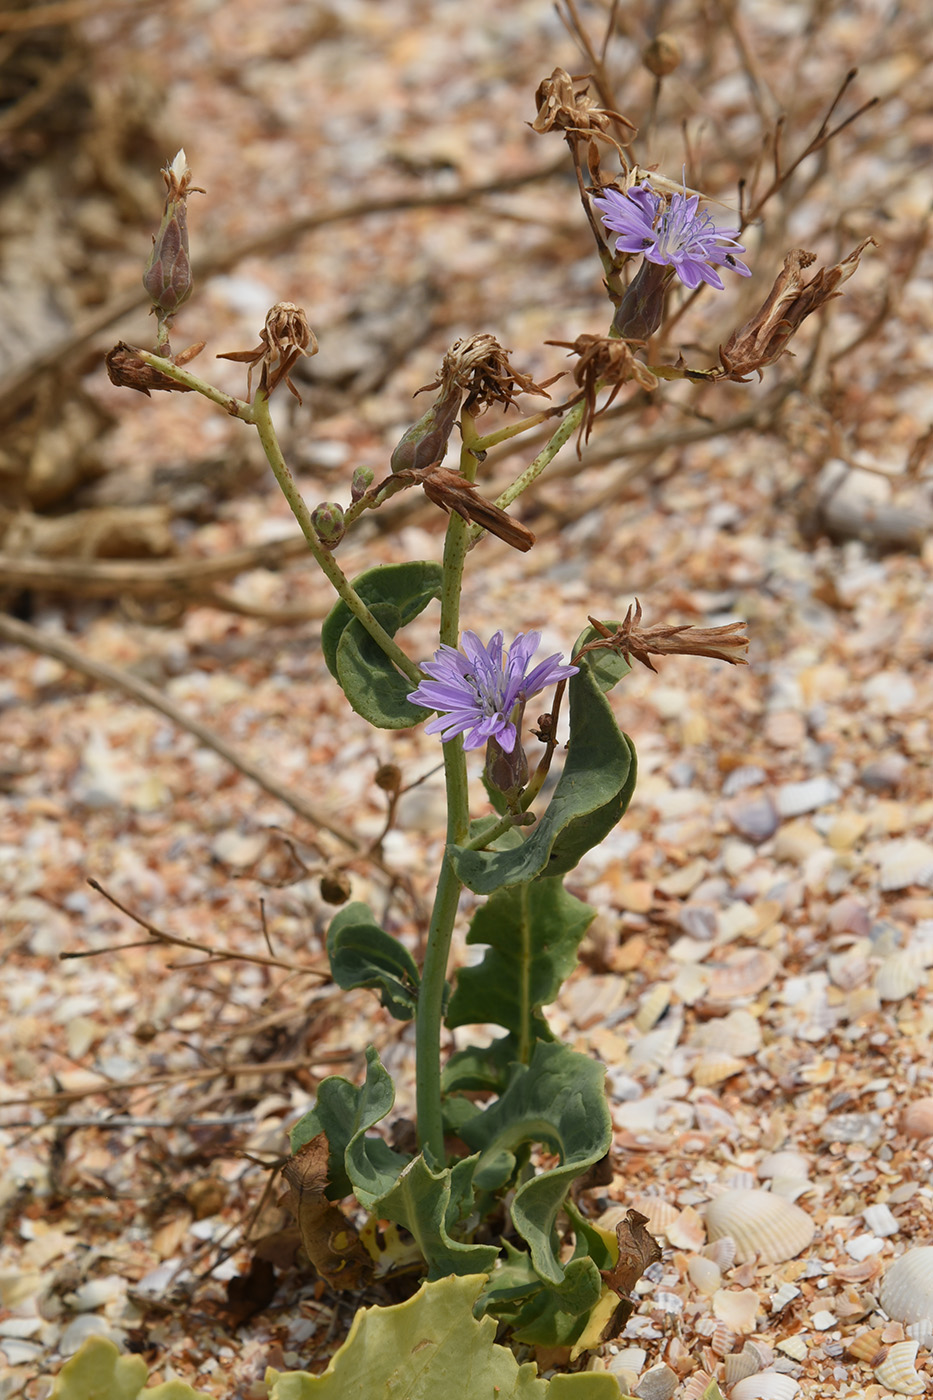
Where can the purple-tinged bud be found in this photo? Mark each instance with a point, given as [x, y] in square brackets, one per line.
[327, 519]
[641, 309]
[426, 441]
[363, 478]
[167, 278]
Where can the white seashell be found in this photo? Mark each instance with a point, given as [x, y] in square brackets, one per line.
[722, 1339]
[917, 1118]
[794, 1347]
[652, 1007]
[881, 1220]
[688, 1230]
[784, 1295]
[921, 1332]
[899, 975]
[765, 1385]
[743, 974]
[739, 1364]
[704, 1274]
[657, 1047]
[761, 1224]
[738, 1034]
[737, 1308]
[785, 1163]
[631, 1359]
[722, 1251]
[658, 1213]
[713, 1068]
[790, 1187]
[907, 1287]
[657, 1384]
[897, 1370]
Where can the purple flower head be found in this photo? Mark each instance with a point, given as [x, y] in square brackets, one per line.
[671, 234]
[476, 690]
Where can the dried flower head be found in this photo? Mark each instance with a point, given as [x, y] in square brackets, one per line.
[575, 113]
[453, 492]
[167, 278]
[603, 363]
[129, 370]
[671, 233]
[765, 337]
[284, 339]
[480, 369]
[725, 643]
[476, 691]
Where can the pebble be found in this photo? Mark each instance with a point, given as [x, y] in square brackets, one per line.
[657, 1384]
[865, 1128]
[754, 817]
[793, 799]
[884, 774]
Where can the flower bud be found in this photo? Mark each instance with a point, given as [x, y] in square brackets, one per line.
[363, 478]
[426, 441]
[662, 55]
[167, 278]
[327, 520]
[335, 887]
[641, 309]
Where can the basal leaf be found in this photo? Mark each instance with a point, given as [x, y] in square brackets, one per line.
[591, 796]
[395, 594]
[533, 932]
[480, 1068]
[560, 1100]
[364, 955]
[97, 1371]
[345, 1112]
[429, 1204]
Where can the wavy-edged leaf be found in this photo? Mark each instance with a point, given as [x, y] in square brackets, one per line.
[345, 1112]
[560, 1100]
[532, 932]
[429, 1204]
[430, 1346]
[97, 1371]
[591, 796]
[395, 594]
[363, 955]
[479, 1068]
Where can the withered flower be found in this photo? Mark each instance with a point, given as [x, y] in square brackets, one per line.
[764, 338]
[285, 338]
[602, 363]
[128, 370]
[451, 491]
[575, 113]
[631, 639]
[479, 367]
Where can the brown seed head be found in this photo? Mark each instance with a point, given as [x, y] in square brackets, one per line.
[662, 55]
[479, 368]
[603, 363]
[286, 336]
[575, 113]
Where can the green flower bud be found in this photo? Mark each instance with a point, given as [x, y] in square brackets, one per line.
[327, 520]
[363, 478]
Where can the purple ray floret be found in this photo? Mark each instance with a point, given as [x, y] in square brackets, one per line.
[672, 234]
[475, 690]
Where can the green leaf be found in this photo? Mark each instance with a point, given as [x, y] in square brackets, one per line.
[364, 955]
[432, 1346]
[607, 667]
[366, 1166]
[395, 594]
[97, 1371]
[429, 1204]
[479, 1068]
[591, 796]
[533, 932]
[542, 1314]
[560, 1100]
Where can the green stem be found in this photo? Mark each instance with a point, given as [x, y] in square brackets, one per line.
[543, 460]
[237, 408]
[522, 425]
[447, 899]
[323, 556]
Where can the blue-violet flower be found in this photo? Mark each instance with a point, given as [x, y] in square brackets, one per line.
[671, 234]
[475, 691]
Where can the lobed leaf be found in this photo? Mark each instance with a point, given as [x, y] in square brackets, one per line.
[363, 955]
[429, 1204]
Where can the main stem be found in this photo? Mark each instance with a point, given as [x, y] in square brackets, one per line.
[446, 901]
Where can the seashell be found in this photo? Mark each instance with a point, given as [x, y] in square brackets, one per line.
[917, 1118]
[657, 1384]
[658, 1213]
[899, 975]
[921, 1332]
[737, 1308]
[907, 1287]
[722, 1339]
[657, 1047]
[790, 1187]
[739, 1364]
[630, 1359]
[785, 1163]
[745, 974]
[784, 1295]
[696, 1386]
[721, 1251]
[866, 1346]
[795, 1347]
[704, 1274]
[897, 1370]
[713, 1068]
[652, 1007]
[688, 1230]
[765, 1385]
[761, 1224]
[739, 1033]
[881, 1220]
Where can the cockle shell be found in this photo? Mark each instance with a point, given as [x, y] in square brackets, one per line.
[696, 1385]
[722, 1251]
[761, 1224]
[917, 1118]
[765, 1385]
[738, 1034]
[898, 1372]
[867, 1346]
[899, 975]
[907, 1287]
[786, 1163]
[739, 1364]
[744, 974]
[713, 1067]
[657, 1212]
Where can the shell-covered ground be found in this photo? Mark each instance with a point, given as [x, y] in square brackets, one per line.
[758, 977]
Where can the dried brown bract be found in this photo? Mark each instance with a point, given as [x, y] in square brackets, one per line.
[479, 367]
[451, 491]
[726, 643]
[764, 338]
[603, 362]
[284, 339]
[128, 370]
[575, 113]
